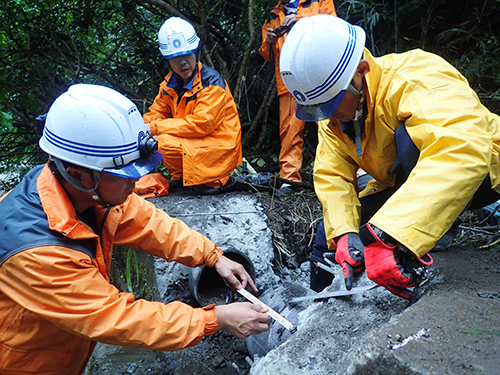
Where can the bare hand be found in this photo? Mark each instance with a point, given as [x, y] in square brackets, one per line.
[271, 37]
[234, 273]
[289, 20]
[242, 319]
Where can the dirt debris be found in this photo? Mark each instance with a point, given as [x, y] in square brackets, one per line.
[293, 220]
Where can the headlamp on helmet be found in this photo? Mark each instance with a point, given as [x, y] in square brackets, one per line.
[98, 128]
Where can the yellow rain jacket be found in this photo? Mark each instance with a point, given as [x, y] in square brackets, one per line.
[56, 299]
[458, 139]
[306, 8]
[205, 119]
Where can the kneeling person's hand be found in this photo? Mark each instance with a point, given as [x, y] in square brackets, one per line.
[349, 255]
[391, 267]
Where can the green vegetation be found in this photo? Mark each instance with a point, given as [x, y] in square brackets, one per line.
[132, 261]
[48, 45]
[134, 272]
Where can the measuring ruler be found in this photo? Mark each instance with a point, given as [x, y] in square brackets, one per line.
[338, 293]
[272, 313]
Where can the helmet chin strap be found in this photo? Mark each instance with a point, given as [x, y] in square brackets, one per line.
[77, 184]
[357, 116]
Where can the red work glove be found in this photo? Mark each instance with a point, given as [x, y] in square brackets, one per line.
[392, 268]
[349, 255]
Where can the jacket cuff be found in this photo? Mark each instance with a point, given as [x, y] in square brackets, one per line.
[213, 257]
[211, 322]
[153, 128]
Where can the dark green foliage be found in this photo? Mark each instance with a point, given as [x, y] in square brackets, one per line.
[465, 33]
[45, 46]
[134, 272]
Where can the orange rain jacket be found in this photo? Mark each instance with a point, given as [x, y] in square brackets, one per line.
[55, 295]
[306, 8]
[206, 121]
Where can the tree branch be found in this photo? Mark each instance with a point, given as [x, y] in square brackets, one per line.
[203, 34]
[246, 57]
[263, 110]
[166, 7]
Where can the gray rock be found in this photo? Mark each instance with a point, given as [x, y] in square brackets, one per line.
[453, 329]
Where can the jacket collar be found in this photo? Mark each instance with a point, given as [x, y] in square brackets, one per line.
[61, 214]
[281, 6]
[372, 79]
[177, 83]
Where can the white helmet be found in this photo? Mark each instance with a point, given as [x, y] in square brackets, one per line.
[98, 128]
[317, 63]
[177, 37]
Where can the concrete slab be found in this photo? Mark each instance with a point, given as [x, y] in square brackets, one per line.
[453, 329]
[234, 221]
